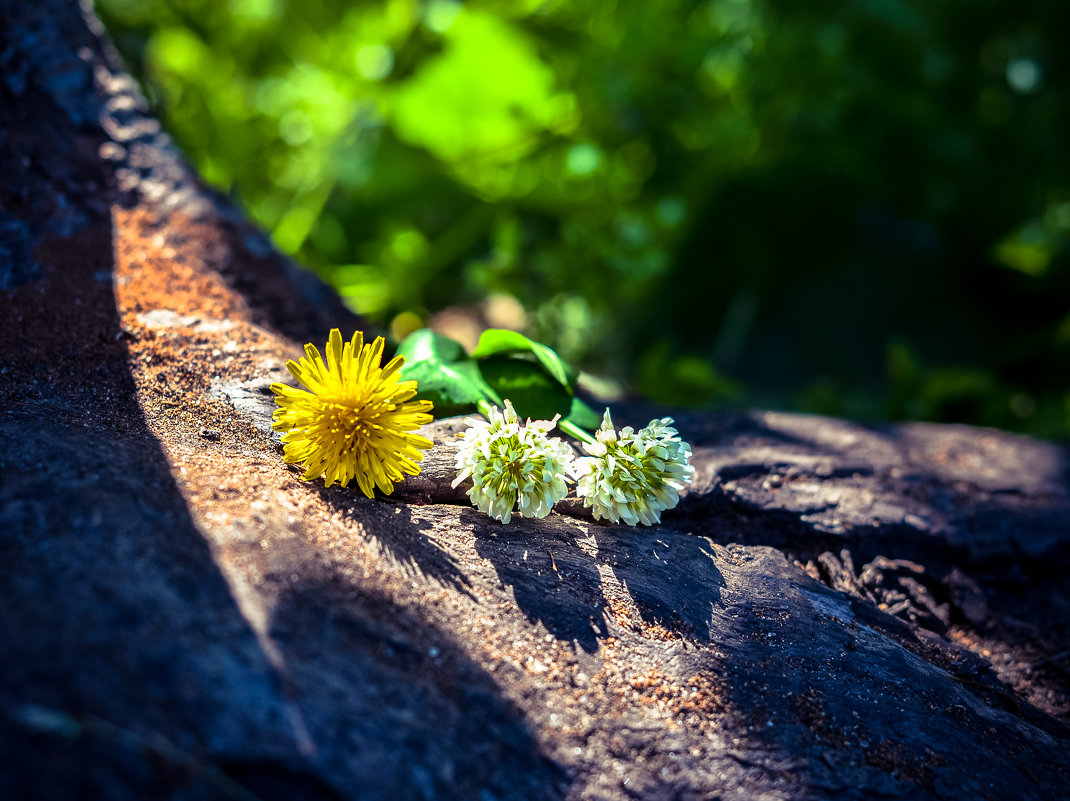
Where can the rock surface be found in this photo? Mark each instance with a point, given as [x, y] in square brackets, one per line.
[833, 611]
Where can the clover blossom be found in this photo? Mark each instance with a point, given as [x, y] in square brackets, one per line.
[513, 466]
[633, 476]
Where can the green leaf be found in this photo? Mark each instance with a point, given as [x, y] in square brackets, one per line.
[533, 393]
[583, 415]
[452, 388]
[425, 345]
[498, 341]
[444, 373]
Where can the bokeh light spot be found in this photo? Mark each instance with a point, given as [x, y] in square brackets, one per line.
[374, 61]
[583, 159]
[441, 14]
[295, 127]
[404, 324]
[1023, 75]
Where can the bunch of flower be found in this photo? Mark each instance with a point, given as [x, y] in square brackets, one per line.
[354, 418]
[630, 476]
[513, 466]
[634, 475]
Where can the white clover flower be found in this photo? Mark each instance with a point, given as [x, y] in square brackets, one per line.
[514, 466]
[634, 476]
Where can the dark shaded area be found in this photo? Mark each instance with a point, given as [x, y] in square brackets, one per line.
[396, 709]
[112, 684]
[561, 592]
[30, 124]
[404, 539]
[674, 587]
[274, 779]
[961, 532]
[981, 497]
[819, 697]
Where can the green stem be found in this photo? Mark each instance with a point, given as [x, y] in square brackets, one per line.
[566, 426]
[484, 407]
[573, 430]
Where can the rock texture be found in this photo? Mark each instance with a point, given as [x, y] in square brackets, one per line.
[833, 611]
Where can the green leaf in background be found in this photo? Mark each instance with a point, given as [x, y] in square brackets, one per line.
[455, 382]
[425, 345]
[497, 341]
[445, 374]
[583, 415]
[533, 392]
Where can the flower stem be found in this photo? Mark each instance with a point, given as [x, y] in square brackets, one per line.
[566, 426]
[573, 430]
[484, 407]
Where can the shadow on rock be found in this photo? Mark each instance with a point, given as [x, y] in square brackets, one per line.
[826, 695]
[554, 582]
[403, 539]
[960, 531]
[672, 578]
[809, 484]
[126, 667]
[396, 708]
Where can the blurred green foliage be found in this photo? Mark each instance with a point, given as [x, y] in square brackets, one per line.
[859, 207]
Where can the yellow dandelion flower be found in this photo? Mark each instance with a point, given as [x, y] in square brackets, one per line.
[355, 419]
